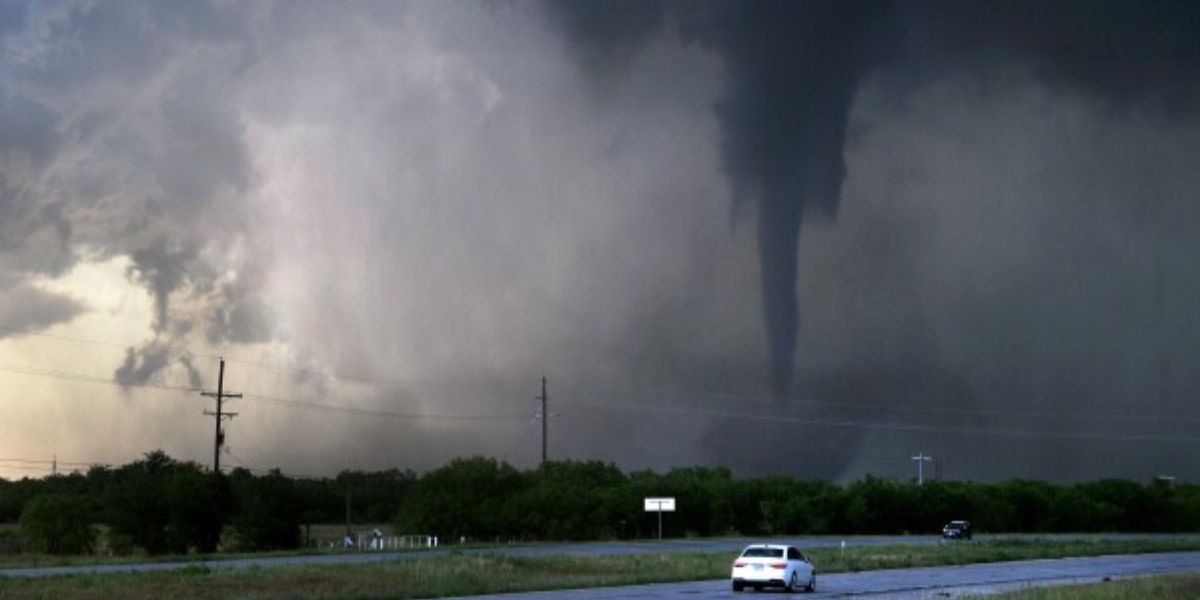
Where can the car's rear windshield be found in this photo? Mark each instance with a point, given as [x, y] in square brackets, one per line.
[763, 552]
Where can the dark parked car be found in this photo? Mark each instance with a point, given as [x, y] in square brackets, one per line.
[957, 530]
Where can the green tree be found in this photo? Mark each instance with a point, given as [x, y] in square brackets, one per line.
[165, 506]
[876, 505]
[58, 524]
[465, 498]
[268, 511]
[197, 504]
[569, 500]
[136, 505]
[377, 496]
[1029, 503]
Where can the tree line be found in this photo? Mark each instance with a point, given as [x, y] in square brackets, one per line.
[158, 505]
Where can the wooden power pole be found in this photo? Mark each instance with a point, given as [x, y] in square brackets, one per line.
[220, 395]
[545, 420]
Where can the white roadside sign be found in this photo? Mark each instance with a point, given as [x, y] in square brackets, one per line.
[660, 505]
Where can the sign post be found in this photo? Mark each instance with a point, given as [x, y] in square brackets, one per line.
[660, 505]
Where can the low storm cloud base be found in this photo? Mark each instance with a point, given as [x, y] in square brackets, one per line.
[729, 233]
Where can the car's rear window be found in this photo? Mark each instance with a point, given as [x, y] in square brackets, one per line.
[763, 552]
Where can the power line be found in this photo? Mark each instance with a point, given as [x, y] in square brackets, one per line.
[64, 338]
[25, 468]
[306, 458]
[45, 462]
[40, 469]
[742, 399]
[298, 404]
[84, 378]
[371, 412]
[382, 381]
[278, 369]
[774, 403]
[915, 428]
[260, 471]
[841, 423]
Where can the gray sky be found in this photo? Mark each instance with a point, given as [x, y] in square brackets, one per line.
[982, 243]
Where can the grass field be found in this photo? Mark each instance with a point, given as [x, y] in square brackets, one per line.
[323, 533]
[1171, 587]
[465, 573]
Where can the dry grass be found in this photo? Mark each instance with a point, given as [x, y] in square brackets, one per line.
[467, 573]
[1171, 587]
[418, 578]
[323, 532]
[999, 550]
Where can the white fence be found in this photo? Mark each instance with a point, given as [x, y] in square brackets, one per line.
[377, 541]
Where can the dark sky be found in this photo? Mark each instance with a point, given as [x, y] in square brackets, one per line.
[730, 233]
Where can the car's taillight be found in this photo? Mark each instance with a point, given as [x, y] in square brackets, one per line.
[739, 563]
[778, 565]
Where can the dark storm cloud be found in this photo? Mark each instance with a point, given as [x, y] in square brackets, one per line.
[436, 191]
[791, 72]
[793, 69]
[142, 364]
[606, 34]
[195, 379]
[12, 15]
[239, 316]
[28, 135]
[1125, 51]
[117, 135]
[163, 268]
[23, 307]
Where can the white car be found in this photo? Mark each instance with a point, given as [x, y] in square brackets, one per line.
[763, 565]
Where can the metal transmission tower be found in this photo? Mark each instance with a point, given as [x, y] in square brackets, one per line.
[220, 395]
[921, 459]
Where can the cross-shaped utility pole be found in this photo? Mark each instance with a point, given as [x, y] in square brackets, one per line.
[220, 395]
[921, 459]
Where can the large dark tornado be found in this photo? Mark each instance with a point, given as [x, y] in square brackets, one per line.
[791, 72]
[792, 68]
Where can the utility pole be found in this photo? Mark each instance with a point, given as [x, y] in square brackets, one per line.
[349, 531]
[545, 421]
[54, 465]
[921, 459]
[221, 395]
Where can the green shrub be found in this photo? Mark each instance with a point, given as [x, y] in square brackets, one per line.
[58, 524]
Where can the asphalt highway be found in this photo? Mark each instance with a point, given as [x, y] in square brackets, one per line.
[909, 584]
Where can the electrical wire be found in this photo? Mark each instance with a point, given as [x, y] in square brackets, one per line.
[280, 370]
[905, 427]
[46, 462]
[774, 404]
[284, 402]
[84, 378]
[694, 412]
[259, 471]
[658, 393]
[372, 412]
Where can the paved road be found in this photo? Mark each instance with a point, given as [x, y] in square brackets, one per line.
[718, 545]
[911, 584]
